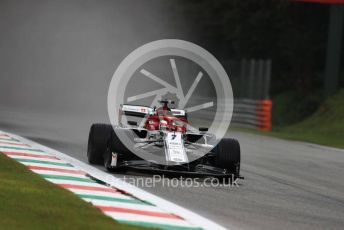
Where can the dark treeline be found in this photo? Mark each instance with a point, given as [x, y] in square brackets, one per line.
[292, 34]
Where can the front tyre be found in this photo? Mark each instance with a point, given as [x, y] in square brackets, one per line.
[97, 142]
[228, 155]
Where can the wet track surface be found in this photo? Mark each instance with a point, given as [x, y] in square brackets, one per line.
[287, 184]
[57, 61]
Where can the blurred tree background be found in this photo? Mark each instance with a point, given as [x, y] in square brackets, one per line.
[292, 34]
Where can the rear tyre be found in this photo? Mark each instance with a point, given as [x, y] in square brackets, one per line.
[228, 155]
[97, 142]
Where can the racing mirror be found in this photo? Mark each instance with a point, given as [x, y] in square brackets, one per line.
[203, 129]
[132, 123]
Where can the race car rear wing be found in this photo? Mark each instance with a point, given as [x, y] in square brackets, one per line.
[178, 112]
[135, 110]
[142, 111]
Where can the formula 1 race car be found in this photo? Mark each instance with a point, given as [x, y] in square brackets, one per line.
[164, 143]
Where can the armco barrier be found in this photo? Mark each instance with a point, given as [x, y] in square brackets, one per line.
[250, 113]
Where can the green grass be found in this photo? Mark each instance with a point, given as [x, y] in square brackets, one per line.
[27, 201]
[291, 107]
[324, 127]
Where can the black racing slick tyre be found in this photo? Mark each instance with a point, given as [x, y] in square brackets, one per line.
[97, 142]
[228, 155]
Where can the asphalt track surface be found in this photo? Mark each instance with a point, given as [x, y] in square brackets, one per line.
[56, 63]
[288, 185]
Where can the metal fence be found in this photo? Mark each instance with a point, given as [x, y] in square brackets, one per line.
[251, 83]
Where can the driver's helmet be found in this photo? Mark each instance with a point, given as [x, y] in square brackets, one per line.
[164, 111]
